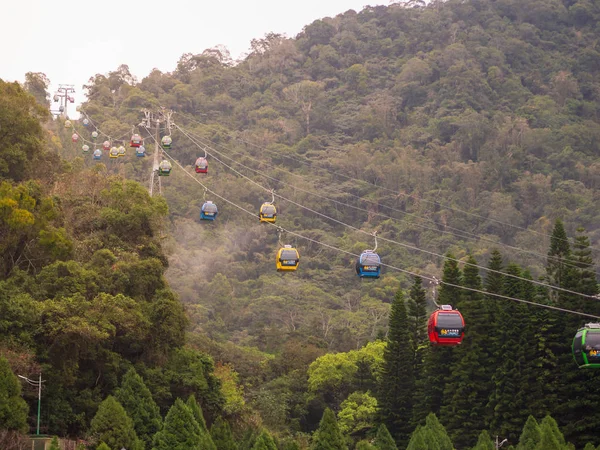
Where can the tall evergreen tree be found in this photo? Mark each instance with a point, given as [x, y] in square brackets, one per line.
[264, 442]
[114, 427]
[54, 445]
[530, 436]
[103, 446]
[484, 442]
[13, 409]
[431, 436]
[180, 430]
[137, 400]
[583, 260]
[508, 400]
[221, 435]
[328, 436]
[558, 257]
[384, 440]
[206, 441]
[550, 436]
[438, 359]
[467, 391]
[417, 311]
[397, 377]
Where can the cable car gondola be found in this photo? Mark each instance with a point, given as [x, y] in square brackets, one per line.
[121, 150]
[446, 326]
[114, 152]
[166, 142]
[267, 213]
[97, 154]
[368, 264]
[201, 165]
[94, 134]
[164, 168]
[288, 259]
[140, 152]
[136, 141]
[75, 137]
[67, 123]
[586, 346]
[106, 145]
[85, 148]
[85, 122]
[208, 211]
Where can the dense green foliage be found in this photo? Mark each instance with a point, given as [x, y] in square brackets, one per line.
[13, 409]
[458, 128]
[113, 426]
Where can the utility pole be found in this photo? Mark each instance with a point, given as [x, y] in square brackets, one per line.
[500, 444]
[156, 118]
[62, 94]
[37, 384]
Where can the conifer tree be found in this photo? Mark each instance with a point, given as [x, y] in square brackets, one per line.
[264, 442]
[290, 444]
[582, 259]
[558, 256]
[364, 445]
[397, 378]
[548, 424]
[221, 435]
[438, 360]
[180, 430]
[530, 436]
[103, 446]
[484, 442]
[508, 400]
[384, 440]
[114, 427]
[417, 307]
[206, 441]
[417, 439]
[137, 400]
[589, 446]
[548, 439]
[431, 436]
[13, 409]
[467, 390]
[328, 435]
[54, 445]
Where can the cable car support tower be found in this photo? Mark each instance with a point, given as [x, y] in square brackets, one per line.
[155, 119]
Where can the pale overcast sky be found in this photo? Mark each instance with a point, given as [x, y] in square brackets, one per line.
[72, 40]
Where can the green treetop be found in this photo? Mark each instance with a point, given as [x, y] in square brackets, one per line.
[328, 436]
[13, 409]
[112, 425]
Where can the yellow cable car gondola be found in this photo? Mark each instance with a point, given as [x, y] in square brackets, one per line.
[268, 213]
[114, 152]
[287, 259]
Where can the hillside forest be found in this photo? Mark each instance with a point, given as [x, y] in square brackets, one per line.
[460, 138]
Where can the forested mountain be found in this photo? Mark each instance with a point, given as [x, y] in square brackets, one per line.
[465, 132]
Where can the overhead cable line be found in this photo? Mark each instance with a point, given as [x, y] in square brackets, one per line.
[312, 166]
[408, 246]
[429, 278]
[467, 235]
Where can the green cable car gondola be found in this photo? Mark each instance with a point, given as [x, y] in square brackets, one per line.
[586, 346]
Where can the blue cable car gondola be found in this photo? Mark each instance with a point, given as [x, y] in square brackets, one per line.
[140, 151]
[208, 211]
[97, 154]
[368, 264]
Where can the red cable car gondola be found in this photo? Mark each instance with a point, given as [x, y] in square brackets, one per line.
[201, 165]
[446, 326]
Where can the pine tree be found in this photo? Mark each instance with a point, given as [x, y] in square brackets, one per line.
[397, 378]
[547, 425]
[508, 400]
[264, 442]
[558, 257]
[103, 446]
[384, 440]
[221, 435]
[589, 446]
[54, 445]
[113, 426]
[431, 436]
[530, 436]
[364, 445]
[13, 409]
[438, 359]
[484, 442]
[137, 400]
[582, 259]
[206, 441]
[549, 439]
[417, 440]
[180, 430]
[467, 391]
[328, 435]
[417, 307]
